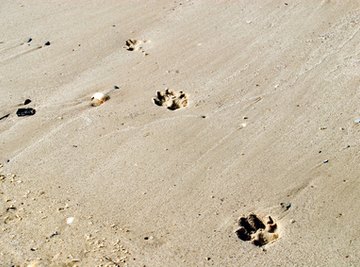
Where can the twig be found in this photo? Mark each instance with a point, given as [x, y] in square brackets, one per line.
[112, 261]
[5, 116]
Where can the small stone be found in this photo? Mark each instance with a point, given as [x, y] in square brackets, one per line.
[47, 43]
[27, 101]
[21, 112]
[357, 120]
[29, 40]
[116, 87]
[326, 161]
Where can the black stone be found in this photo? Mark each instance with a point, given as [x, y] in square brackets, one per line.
[21, 112]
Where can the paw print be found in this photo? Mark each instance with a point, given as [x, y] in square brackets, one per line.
[258, 232]
[171, 99]
[135, 45]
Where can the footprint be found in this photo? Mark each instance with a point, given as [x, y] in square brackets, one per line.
[258, 232]
[171, 99]
[135, 45]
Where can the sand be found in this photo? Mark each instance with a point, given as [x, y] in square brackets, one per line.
[272, 92]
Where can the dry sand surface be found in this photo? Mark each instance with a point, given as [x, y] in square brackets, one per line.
[259, 121]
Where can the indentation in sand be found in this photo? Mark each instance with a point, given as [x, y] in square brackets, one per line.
[171, 99]
[257, 231]
[135, 45]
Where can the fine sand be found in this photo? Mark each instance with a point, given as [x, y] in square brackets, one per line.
[221, 113]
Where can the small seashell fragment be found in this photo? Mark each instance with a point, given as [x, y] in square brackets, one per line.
[69, 220]
[99, 98]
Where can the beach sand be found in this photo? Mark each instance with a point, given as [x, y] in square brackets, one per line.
[264, 126]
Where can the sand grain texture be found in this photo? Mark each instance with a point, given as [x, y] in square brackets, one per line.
[274, 94]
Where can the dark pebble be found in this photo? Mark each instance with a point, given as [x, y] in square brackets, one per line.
[25, 112]
[30, 39]
[116, 87]
[27, 101]
[47, 43]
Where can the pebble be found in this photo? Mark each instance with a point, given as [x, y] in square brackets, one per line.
[47, 43]
[21, 112]
[357, 120]
[326, 161]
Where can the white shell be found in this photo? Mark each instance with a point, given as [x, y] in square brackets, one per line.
[98, 98]
[70, 220]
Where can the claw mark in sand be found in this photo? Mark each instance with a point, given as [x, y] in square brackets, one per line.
[256, 231]
[171, 99]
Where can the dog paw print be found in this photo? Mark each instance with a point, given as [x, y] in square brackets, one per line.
[171, 99]
[258, 232]
[135, 45]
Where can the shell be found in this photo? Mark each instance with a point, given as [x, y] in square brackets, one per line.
[99, 98]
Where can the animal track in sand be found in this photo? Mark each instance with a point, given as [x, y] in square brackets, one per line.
[258, 232]
[135, 45]
[171, 99]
